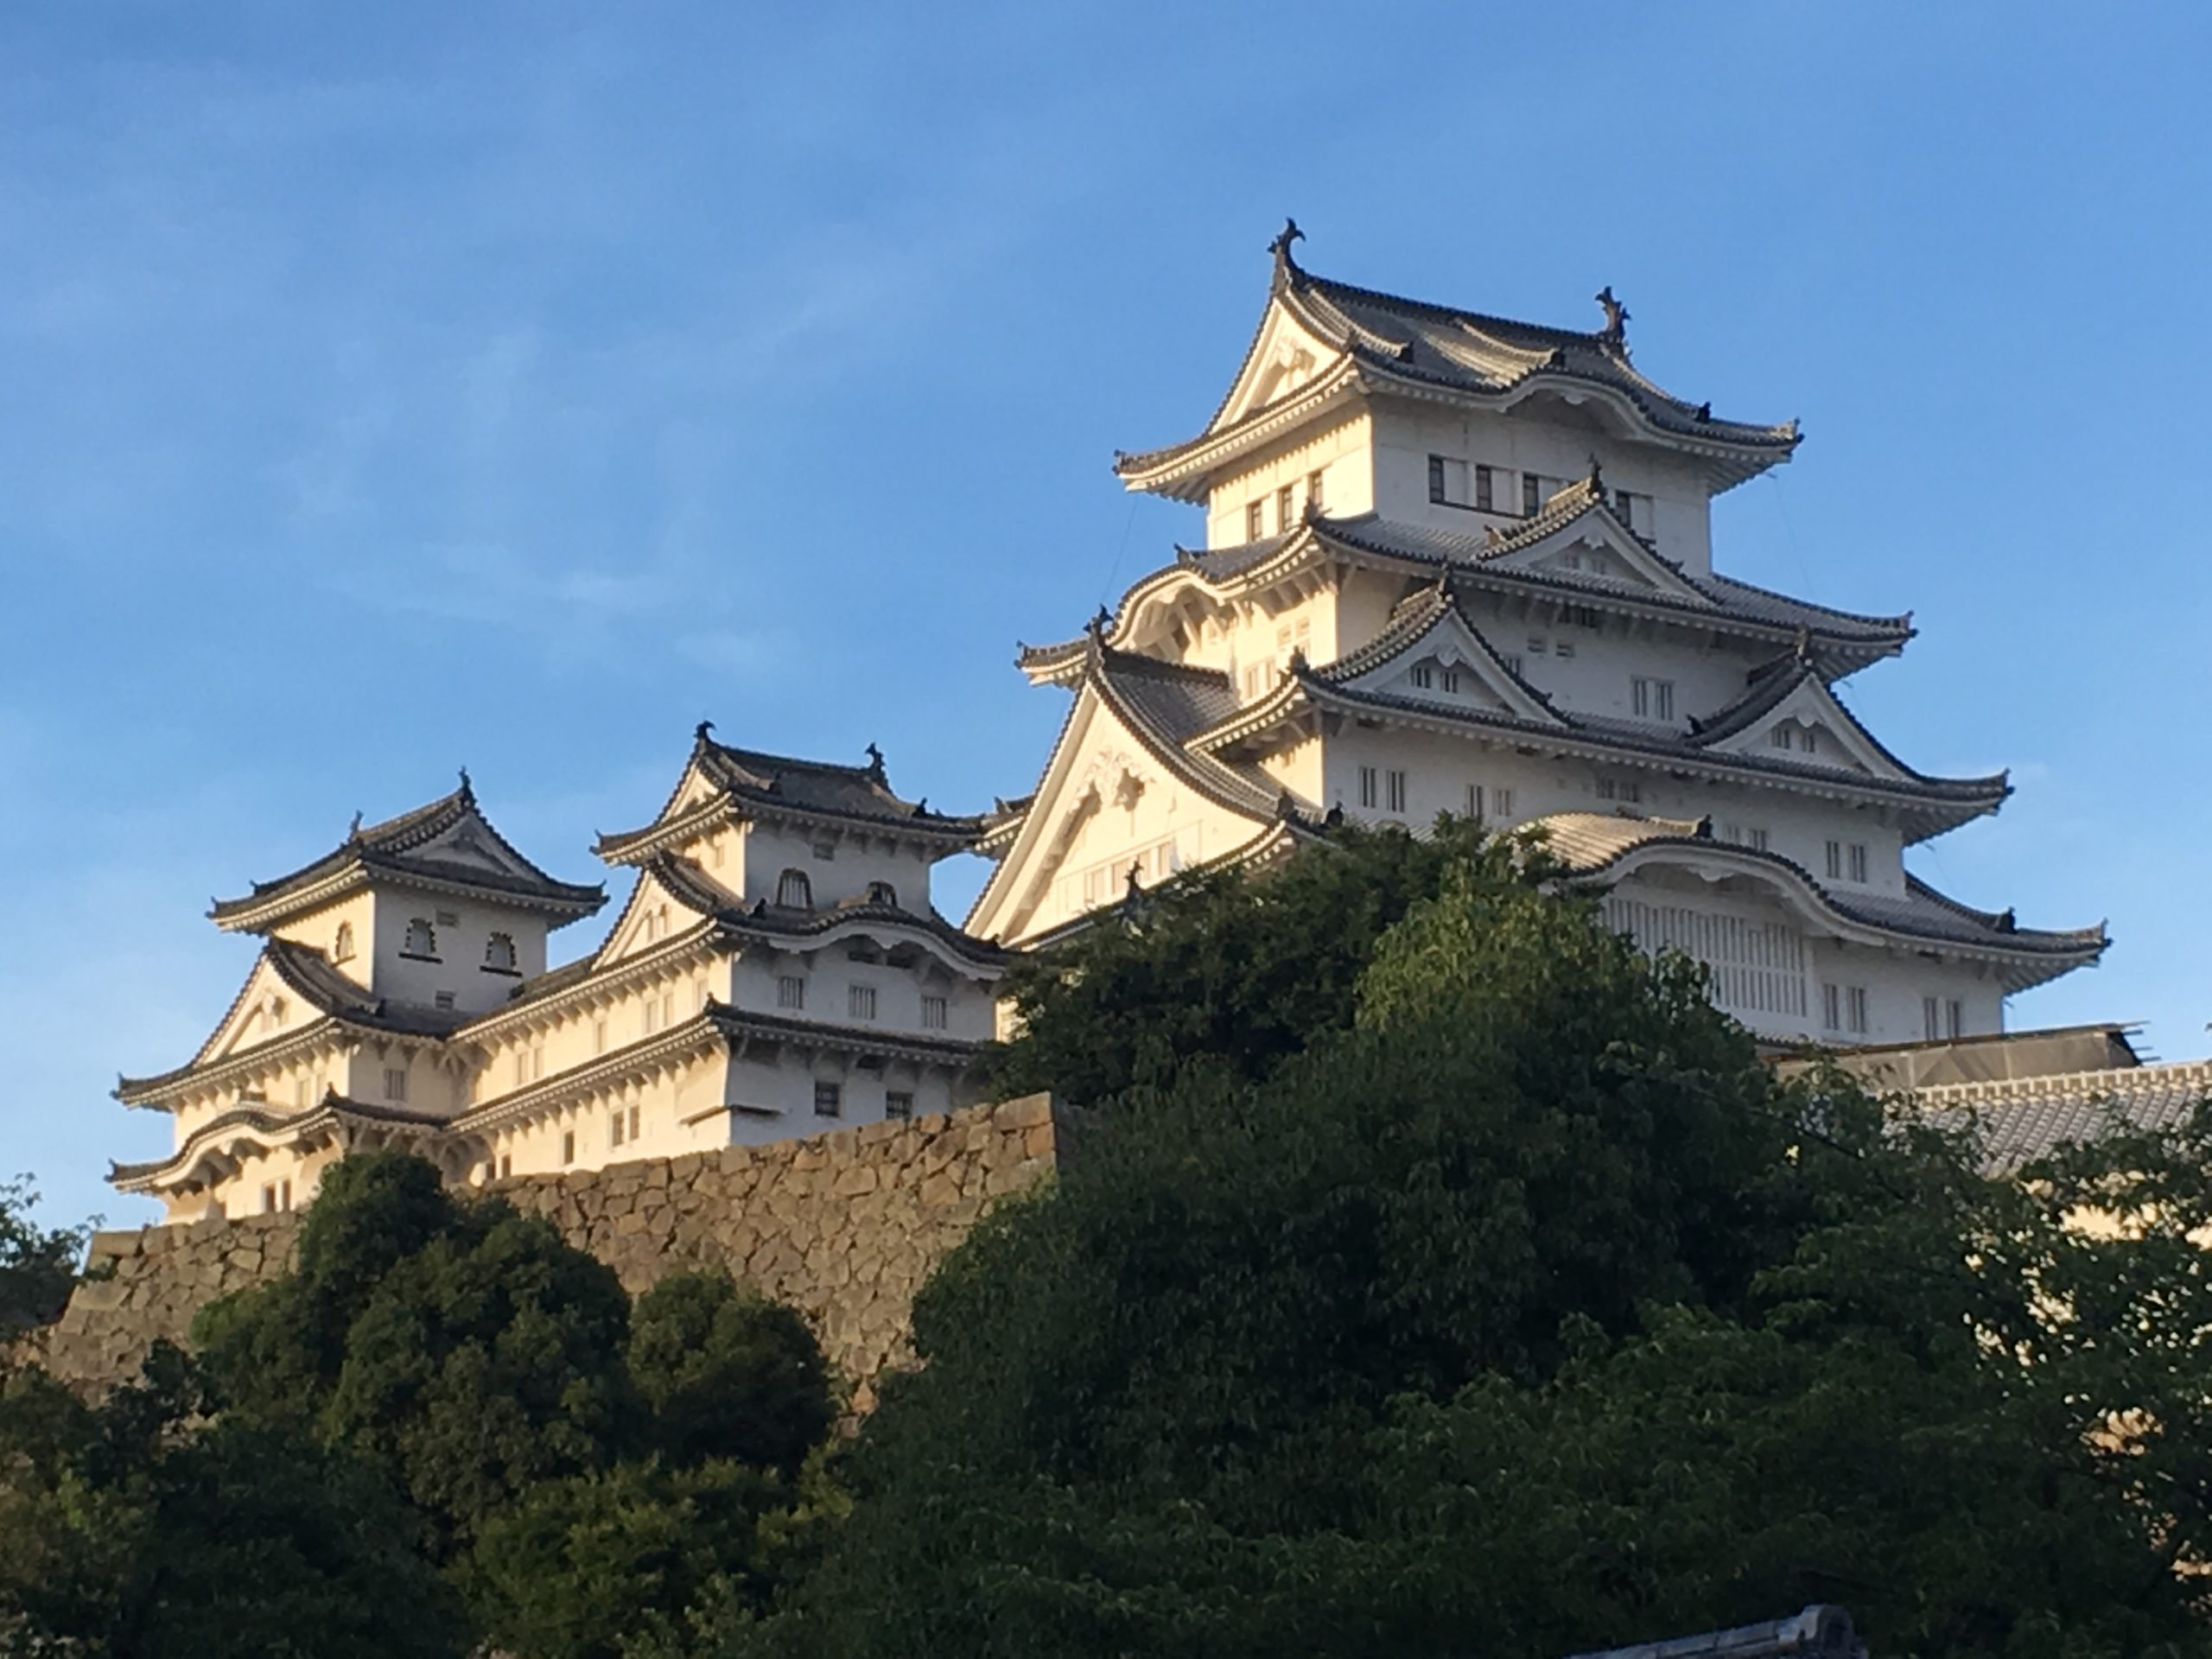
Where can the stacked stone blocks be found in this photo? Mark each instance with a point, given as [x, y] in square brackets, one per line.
[844, 1226]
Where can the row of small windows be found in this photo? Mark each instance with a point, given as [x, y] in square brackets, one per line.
[1285, 506]
[1844, 1008]
[421, 945]
[1847, 862]
[1940, 1017]
[860, 1001]
[1385, 789]
[1449, 479]
[829, 1100]
[1791, 735]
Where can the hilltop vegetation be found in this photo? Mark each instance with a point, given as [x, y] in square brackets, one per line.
[1436, 1275]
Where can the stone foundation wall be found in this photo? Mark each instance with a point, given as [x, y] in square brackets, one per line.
[843, 1226]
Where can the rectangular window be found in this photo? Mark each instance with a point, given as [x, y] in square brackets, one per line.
[395, 1083]
[1782, 738]
[1653, 699]
[1513, 664]
[1835, 860]
[649, 1016]
[1368, 787]
[1424, 676]
[790, 991]
[1635, 510]
[1501, 802]
[1256, 517]
[1475, 801]
[933, 1014]
[1314, 497]
[1756, 839]
[599, 1036]
[1532, 494]
[536, 1062]
[826, 851]
[1451, 679]
[1536, 645]
[1436, 478]
[1831, 1008]
[1619, 789]
[1485, 488]
[1563, 648]
[1857, 861]
[1583, 616]
[285, 1195]
[1857, 1005]
[1285, 506]
[268, 1199]
[635, 1113]
[443, 999]
[1931, 1017]
[568, 1145]
[860, 1001]
[614, 1128]
[1956, 1015]
[828, 1099]
[507, 1165]
[448, 918]
[1394, 788]
[898, 1103]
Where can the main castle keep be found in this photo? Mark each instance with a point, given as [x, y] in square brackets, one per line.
[1450, 563]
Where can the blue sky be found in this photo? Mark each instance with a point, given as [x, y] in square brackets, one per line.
[392, 388]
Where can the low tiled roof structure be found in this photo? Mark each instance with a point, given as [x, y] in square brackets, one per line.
[762, 919]
[1820, 1631]
[1591, 843]
[404, 849]
[267, 1126]
[2029, 1092]
[751, 782]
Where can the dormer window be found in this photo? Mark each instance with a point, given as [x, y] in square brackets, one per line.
[794, 890]
[422, 942]
[1784, 737]
[882, 893]
[499, 954]
[341, 948]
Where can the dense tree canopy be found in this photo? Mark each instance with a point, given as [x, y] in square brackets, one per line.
[1435, 1276]
[1522, 1310]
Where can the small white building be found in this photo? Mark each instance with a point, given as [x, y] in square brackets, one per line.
[778, 970]
[1456, 563]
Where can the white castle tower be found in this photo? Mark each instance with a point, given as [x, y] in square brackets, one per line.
[779, 970]
[1456, 563]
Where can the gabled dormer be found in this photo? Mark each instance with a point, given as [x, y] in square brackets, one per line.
[1350, 401]
[434, 906]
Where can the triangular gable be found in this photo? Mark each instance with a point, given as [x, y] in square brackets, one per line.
[1593, 547]
[658, 911]
[1462, 669]
[471, 847]
[266, 1009]
[1285, 356]
[1839, 742]
[1100, 766]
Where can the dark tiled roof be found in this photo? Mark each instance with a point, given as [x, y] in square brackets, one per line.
[1820, 1631]
[269, 1126]
[324, 989]
[402, 847]
[783, 922]
[2022, 1119]
[1164, 711]
[757, 782]
[1388, 337]
[1591, 842]
[865, 1039]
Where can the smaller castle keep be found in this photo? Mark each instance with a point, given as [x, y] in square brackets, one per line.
[777, 970]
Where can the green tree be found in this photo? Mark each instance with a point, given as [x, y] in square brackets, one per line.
[131, 1532]
[1220, 969]
[1524, 1310]
[727, 1374]
[465, 1349]
[38, 1265]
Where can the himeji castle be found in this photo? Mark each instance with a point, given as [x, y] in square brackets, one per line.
[778, 970]
[1454, 563]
